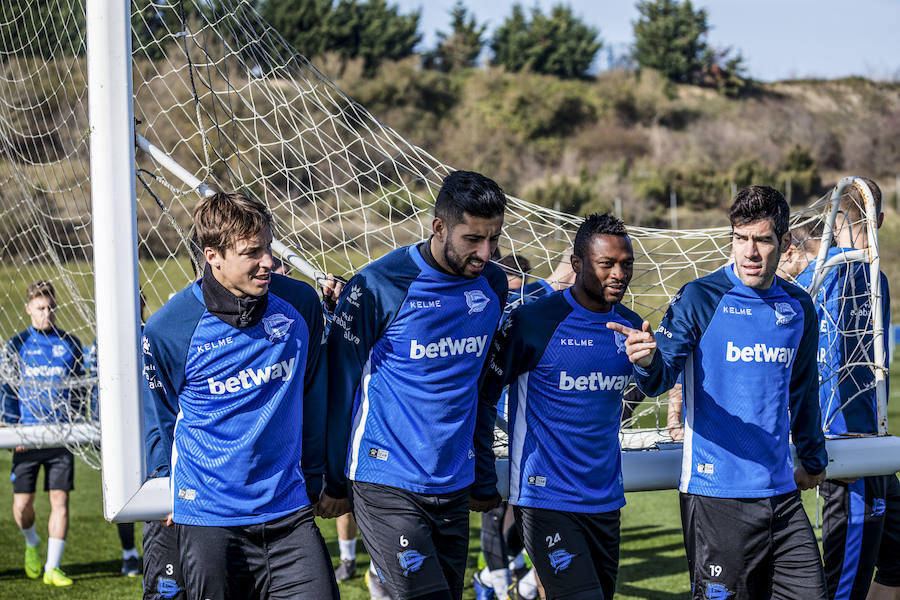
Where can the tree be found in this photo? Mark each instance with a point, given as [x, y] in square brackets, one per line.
[558, 44]
[372, 30]
[670, 37]
[303, 23]
[459, 48]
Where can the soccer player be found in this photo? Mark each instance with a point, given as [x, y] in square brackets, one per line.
[409, 340]
[41, 359]
[236, 372]
[746, 342]
[861, 524]
[567, 373]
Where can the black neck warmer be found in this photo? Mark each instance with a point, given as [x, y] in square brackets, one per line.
[237, 312]
[425, 251]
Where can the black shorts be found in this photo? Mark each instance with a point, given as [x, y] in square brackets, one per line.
[162, 564]
[576, 554]
[282, 558]
[418, 543]
[751, 548]
[59, 470]
[861, 530]
[500, 537]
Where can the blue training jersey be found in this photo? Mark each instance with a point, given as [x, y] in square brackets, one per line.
[239, 411]
[566, 373]
[46, 366]
[847, 395]
[750, 380]
[405, 352]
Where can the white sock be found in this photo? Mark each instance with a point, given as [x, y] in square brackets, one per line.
[54, 553]
[130, 553]
[528, 585]
[518, 562]
[31, 536]
[500, 580]
[348, 549]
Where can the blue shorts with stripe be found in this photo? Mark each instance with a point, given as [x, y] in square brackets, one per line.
[861, 532]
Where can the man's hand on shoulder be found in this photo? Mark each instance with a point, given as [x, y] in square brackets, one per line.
[485, 504]
[331, 290]
[640, 345]
[330, 508]
[804, 480]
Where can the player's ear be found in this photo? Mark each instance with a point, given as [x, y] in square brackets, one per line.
[575, 261]
[213, 257]
[785, 243]
[439, 229]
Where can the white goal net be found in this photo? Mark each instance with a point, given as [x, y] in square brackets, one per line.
[222, 94]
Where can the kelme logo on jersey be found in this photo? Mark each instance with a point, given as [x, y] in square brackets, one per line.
[277, 326]
[448, 346]
[59, 351]
[251, 378]
[784, 312]
[593, 382]
[760, 353]
[476, 300]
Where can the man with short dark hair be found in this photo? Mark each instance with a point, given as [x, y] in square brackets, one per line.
[235, 369]
[746, 342]
[40, 360]
[408, 343]
[566, 374]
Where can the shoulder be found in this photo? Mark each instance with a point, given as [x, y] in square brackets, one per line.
[704, 291]
[177, 316]
[496, 278]
[796, 292]
[396, 264]
[18, 340]
[629, 315]
[299, 294]
[72, 341]
[552, 307]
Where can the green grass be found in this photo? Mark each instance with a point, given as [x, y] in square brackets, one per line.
[652, 566]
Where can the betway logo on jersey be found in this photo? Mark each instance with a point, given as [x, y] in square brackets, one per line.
[251, 378]
[593, 382]
[760, 353]
[448, 346]
[44, 371]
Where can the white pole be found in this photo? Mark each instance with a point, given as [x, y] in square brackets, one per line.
[115, 248]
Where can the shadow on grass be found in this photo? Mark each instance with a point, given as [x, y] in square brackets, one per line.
[650, 561]
[94, 570]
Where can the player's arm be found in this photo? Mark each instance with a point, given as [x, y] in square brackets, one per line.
[356, 326]
[9, 368]
[315, 402]
[806, 420]
[80, 395]
[502, 366]
[658, 359]
[674, 419]
[161, 400]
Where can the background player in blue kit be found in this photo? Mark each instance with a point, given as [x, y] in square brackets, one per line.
[861, 518]
[566, 374]
[41, 359]
[235, 369]
[409, 339]
[746, 342]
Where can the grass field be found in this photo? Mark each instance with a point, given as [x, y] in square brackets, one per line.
[653, 566]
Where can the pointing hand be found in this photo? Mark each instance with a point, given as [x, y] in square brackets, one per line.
[640, 345]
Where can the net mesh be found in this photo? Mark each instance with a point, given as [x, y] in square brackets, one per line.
[222, 93]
